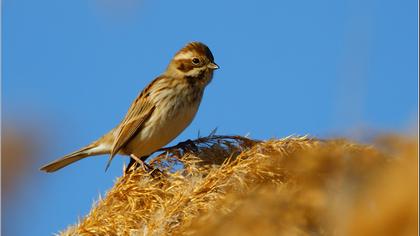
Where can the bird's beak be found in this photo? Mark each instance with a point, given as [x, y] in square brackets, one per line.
[213, 66]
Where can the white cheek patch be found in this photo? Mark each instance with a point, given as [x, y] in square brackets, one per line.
[185, 55]
[194, 72]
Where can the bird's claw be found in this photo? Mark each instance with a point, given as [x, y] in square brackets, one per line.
[145, 166]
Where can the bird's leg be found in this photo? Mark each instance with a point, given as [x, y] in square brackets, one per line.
[134, 160]
[130, 165]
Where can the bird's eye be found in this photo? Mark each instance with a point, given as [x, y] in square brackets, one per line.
[196, 61]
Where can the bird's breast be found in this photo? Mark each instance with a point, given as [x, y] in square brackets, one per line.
[170, 117]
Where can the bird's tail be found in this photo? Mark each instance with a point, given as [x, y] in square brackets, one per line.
[90, 150]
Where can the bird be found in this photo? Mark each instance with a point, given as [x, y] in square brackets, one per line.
[161, 111]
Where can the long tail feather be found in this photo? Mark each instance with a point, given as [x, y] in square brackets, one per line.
[91, 150]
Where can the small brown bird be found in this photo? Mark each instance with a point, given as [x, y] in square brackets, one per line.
[160, 112]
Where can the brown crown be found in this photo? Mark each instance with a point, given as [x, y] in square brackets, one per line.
[199, 48]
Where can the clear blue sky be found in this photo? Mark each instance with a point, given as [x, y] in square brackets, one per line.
[287, 67]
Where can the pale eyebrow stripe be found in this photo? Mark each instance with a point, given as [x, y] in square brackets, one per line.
[184, 55]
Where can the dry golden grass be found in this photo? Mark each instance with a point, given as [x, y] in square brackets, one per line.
[293, 186]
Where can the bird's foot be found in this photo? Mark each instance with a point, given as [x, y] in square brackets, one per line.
[138, 161]
[135, 161]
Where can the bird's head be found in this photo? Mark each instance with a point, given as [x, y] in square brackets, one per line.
[194, 61]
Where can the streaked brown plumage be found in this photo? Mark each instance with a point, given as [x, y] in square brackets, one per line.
[160, 113]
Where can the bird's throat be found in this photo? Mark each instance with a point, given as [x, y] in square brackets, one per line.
[200, 79]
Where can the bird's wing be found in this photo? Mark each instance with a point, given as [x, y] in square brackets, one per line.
[138, 113]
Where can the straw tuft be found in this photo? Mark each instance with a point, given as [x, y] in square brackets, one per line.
[232, 185]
